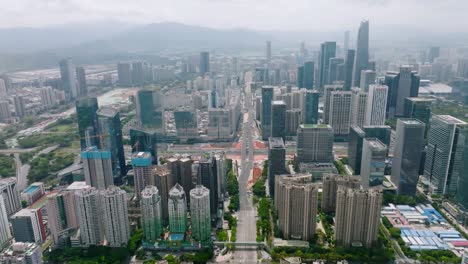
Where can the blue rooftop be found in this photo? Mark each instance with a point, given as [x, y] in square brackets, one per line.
[31, 189]
[177, 237]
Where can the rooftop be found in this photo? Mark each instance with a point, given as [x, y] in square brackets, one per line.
[78, 185]
[279, 102]
[276, 142]
[450, 119]
[410, 121]
[315, 126]
[375, 144]
[107, 111]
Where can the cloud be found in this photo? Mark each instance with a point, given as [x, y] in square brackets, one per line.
[316, 15]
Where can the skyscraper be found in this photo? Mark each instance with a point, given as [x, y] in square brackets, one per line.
[124, 72]
[19, 106]
[308, 74]
[88, 129]
[278, 119]
[81, 78]
[48, 97]
[296, 200]
[97, 168]
[68, 77]
[315, 143]
[293, 119]
[400, 86]
[367, 78]
[339, 115]
[328, 89]
[407, 154]
[374, 153]
[361, 61]
[149, 114]
[138, 73]
[204, 63]
[268, 52]
[142, 170]
[331, 182]
[327, 51]
[163, 181]
[28, 226]
[333, 70]
[146, 141]
[357, 217]
[356, 137]
[88, 212]
[10, 193]
[177, 210]
[5, 112]
[358, 107]
[434, 53]
[181, 170]
[444, 152]
[61, 214]
[376, 105]
[267, 98]
[419, 108]
[5, 233]
[382, 133]
[300, 76]
[200, 213]
[276, 161]
[114, 213]
[349, 66]
[346, 42]
[151, 214]
[207, 176]
[311, 105]
[111, 130]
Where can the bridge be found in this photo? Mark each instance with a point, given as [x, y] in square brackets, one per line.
[244, 244]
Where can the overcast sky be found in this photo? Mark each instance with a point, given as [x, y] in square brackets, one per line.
[313, 15]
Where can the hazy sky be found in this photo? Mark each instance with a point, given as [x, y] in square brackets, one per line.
[314, 15]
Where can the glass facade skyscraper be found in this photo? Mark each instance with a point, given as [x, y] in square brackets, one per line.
[327, 51]
[309, 75]
[311, 107]
[267, 98]
[144, 141]
[278, 119]
[86, 109]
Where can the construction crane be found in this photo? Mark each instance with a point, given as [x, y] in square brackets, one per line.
[100, 136]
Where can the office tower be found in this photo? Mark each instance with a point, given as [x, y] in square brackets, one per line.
[5, 112]
[221, 173]
[358, 107]
[407, 154]
[356, 137]
[331, 182]
[151, 214]
[88, 129]
[361, 62]
[276, 161]
[28, 226]
[382, 133]
[204, 63]
[267, 98]
[293, 119]
[19, 253]
[300, 77]
[111, 130]
[376, 105]
[61, 214]
[315, 143]
[114, 213]
[186, 124]
[97, 168]
[339, 116]
[444, 152]
[328, 89]
[374, 153]
[311, 106]
[327, 51]
[124, 72]
[367, 78]
[142, 171]
[296, 200]
[82, 85]
[434, 53]
[144, 141]
[177, 210]
[333, 70]
[47, 96]
[3, 89]
[200, 213]
[164, 182]
[278, 119]
[357, 217]
[419, 108]
[181, 170]
[10, 193]
[308, 74]
[138, 73]
[19, 106]
[88, 212]
[149, 114]
[346, 42]
[68, 77]
[349, 66]
[268, 52]
[400, 86]
[5, 234]
[207, 176]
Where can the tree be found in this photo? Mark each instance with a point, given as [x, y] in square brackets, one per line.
[24, 204]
